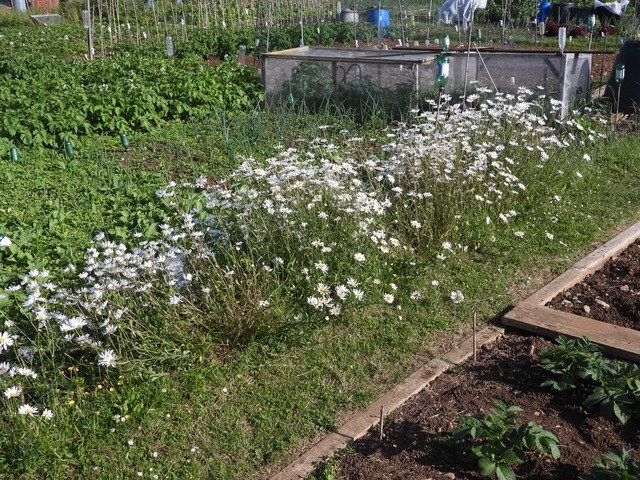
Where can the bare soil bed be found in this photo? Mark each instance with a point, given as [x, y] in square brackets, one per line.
[611, 294]
[413, 446]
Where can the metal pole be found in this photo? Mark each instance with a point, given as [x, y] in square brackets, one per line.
[301, 26]
[466, 67]
[404, 39]
[101, 27]
[90, 32]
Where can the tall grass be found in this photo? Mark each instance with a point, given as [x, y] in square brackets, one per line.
[12, 19]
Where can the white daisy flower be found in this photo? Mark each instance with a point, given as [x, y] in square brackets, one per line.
[6, 340]
[28, 410]
[457, 296]
[358, 294]
[107, 358]
[13, 392]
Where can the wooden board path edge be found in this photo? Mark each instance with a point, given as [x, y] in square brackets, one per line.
[589, 264]
[532, 315]
[361, 422]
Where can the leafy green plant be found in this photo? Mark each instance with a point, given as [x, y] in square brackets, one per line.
[123, 93]
[614, 465]
[617, 384]
[572, 361]
[498, 442]
[618, 391]
[310, 84]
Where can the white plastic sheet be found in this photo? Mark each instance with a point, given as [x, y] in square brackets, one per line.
[459, 11]
[616, 8]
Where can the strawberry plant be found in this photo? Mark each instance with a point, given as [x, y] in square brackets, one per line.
[499, 443]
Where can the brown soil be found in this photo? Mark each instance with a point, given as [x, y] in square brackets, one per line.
[611, 295]
[413, 446]
[602, 66]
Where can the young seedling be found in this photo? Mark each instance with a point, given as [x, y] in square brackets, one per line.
[498, 442]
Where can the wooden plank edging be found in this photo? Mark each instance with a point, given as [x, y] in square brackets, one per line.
[360, 423]
[532, 315]
[589, 264]
[619, 341]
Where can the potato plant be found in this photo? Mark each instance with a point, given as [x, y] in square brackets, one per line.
[616, 384]
[498, 442]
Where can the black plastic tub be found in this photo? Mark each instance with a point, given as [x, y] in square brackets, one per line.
[629, 56]
[561, 12]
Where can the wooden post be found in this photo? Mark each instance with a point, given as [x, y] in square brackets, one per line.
[475, 340]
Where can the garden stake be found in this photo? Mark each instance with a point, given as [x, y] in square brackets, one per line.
[381, 422]
[127, 22]
[475, 344]
[101, 28]
[116, 7]
[615, 123]
[485, 67]
[86, 20]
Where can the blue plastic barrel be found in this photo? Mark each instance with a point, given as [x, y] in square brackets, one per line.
[543, 14]
[380, 18]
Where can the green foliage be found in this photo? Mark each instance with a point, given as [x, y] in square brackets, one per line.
[366, 100]
[498, 442]
[71, 10]
[572, 361]
[12, 19]
[60, 42]
[46, 102]
[208, 410]
[312, 88]
[518, 12]
[616, 383]
[224, 43]
[310, 84]
[329, 469]
[614, 465]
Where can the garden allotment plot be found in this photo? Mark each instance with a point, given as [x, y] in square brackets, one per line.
[311, 75]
